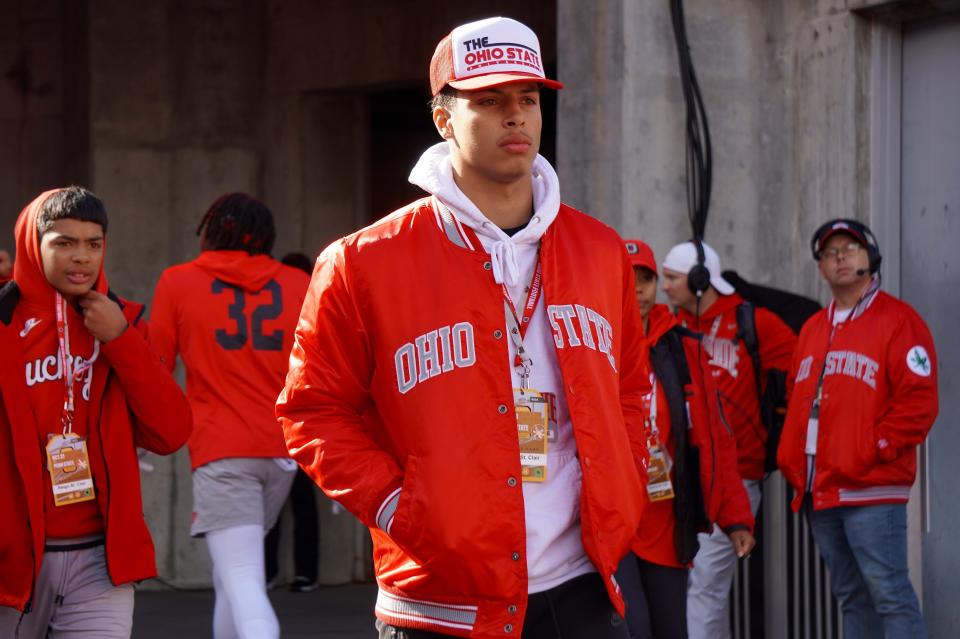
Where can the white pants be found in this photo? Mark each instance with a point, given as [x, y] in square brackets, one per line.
[241, 609]
[708, 594]
[73, 599]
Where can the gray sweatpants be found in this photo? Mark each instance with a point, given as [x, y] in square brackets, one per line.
[708, 592]
[73, 599]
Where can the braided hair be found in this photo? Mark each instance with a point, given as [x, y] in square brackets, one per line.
[237, 222]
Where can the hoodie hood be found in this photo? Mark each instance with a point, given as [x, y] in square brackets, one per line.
[723, 304]
[239, 268]
[434, 174]
[28, 267]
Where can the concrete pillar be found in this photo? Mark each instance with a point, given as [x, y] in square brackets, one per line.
[175, 121]
[786, 96]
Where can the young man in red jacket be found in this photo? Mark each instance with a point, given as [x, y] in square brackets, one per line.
[692, 477]
[230, 315]
[81, 391]
[468, 372]
[863, 397]
[714, 313]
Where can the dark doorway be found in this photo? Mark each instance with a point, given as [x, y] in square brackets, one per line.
[401, 129]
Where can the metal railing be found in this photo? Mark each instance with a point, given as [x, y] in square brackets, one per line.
[783, 592]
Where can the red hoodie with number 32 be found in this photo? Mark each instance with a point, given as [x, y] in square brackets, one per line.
[231, 318]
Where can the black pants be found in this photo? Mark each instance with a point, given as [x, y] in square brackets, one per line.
[577, 609]
[656, 598]
[306, 531]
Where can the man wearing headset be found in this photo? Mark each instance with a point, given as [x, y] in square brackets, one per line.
[707, 303]
[863, 396]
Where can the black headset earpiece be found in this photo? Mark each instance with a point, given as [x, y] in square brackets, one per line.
[873, 247]
[698, 279]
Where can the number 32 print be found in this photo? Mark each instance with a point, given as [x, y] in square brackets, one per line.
[237, 312]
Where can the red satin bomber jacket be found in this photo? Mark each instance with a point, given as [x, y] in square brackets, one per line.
[363, 420]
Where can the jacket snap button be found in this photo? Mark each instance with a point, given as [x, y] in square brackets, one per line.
[512, 609]
[487, 266]
[508, 628]
[511, 482]
[502, 408]
[515, 556]
[498, 333]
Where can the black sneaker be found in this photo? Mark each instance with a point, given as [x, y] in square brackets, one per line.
[302, 584]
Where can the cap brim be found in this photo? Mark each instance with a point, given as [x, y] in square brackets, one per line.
[723, 286]
[846, 230]
[645, 265]
[491, 80]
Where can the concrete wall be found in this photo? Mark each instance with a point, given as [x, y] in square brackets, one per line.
[174, 122]
[43, 101]
[785, 85]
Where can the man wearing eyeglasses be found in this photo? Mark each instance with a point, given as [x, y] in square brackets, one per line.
[863, 397]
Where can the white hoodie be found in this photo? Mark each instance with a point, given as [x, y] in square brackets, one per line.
[552, 509]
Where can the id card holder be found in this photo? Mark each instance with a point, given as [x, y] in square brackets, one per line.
[532, 430]
[659, 486]
[69, 467]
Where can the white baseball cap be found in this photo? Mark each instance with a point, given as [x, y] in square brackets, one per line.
[683, 257]
[488, 53]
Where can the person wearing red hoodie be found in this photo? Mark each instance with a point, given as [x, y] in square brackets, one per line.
[714, 313]
[863, 396]
[697, 482]
[81, 391]
[230, 314]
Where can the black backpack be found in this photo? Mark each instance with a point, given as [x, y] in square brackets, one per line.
[794, 310]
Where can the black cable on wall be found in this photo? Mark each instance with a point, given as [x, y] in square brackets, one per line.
[699, 155]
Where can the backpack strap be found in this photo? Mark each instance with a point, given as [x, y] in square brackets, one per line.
[670, 367]
[747, 331]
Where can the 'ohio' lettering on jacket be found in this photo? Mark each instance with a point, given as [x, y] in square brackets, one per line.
[849, 363]
[579, 333]
[433, 353]
[723, 354]
[48, 369]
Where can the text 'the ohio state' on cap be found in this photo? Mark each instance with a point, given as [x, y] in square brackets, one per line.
[488, 53]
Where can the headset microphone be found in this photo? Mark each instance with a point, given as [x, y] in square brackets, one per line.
[862, 271]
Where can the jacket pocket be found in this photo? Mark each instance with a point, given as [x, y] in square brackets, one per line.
[848, 447]
[407, 530]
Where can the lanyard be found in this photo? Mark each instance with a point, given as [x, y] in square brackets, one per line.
[70, 376]
[521, 322]
[870, 290]
[653, 433]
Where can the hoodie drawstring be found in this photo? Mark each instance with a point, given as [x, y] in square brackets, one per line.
[506, 267]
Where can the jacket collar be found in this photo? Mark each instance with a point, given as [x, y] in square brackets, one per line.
[865, 301]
